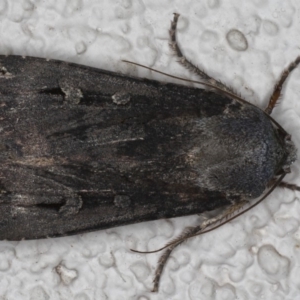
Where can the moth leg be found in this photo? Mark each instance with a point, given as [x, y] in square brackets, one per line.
[289, 186]
[189, 65]
[164, 257]
[190, 232]
[278, 87]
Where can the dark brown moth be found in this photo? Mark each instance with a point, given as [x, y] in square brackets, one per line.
[84, 149]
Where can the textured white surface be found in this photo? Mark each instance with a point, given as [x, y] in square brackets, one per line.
[257, 256]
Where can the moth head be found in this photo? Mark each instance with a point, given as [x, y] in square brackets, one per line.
[291, 154]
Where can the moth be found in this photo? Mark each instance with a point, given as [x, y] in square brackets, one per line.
[84, 149]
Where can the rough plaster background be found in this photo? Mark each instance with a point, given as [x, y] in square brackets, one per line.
[256, 256]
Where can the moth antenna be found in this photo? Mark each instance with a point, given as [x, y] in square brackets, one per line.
[181, 238]
[197, 231]
[148, 252]
[218, 89]
[163, 73]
